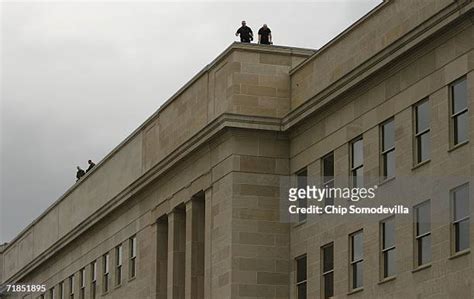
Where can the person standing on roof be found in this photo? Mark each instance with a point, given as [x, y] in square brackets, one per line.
[246, 34]
[265, 35]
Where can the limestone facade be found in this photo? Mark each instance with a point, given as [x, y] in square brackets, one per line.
[188, 206]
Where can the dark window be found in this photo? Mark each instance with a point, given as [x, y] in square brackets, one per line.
[461, 215]
[301, 277]
[133, 257]
[422, 131]
[61, 290]
[328, 176]
[357, 162]
[328, 270]
[459, 111]
[357, 259]
[71, 286]
[93, 279]
[388, 247]
[52, 294]
[423, 233]
[106, 265]
[302, 181]
[118, 265]
[82, 283]
[388, 148]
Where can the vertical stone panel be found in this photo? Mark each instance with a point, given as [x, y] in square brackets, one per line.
[194, 277]
[176, 253]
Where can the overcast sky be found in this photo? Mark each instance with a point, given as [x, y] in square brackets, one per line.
[78, 77]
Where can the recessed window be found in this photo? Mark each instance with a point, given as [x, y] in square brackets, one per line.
[301, 277]
[357, 162]
[423, 233]
[357, 260]
[422, 131]
[328, 176]
[302, 182]
[71, 286]
[52, 293]
[459, 112]
[118, 265]
[387, 131]
[461, 217]
[106, 261]
[328, 271]
[133, 257]
[61, 290]
[388, 247]
[82, 283]
[93, 279]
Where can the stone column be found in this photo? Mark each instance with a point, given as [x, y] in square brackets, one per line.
[207, 244]
[161, 257]
[176, 253]
[194, 277]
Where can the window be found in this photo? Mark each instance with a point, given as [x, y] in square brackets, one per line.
[82, 283]
[357, 162]
[459, 115]
[93, 279]
[388, 148]
[52, 294]
[328, 271]
[118, 265]
[61, 290]
[423, 233]
[388, 247]
[422, 131]
[106, 258]
[71, 286]
[328, 176]
[461, 212]
[302, 182]
[357, 259]
[301, 276]
[133, 257]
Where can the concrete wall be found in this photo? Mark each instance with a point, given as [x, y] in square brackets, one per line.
[385, 25]
[425, 72]
[214, 91]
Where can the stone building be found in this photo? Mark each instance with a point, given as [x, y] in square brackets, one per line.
[189, 205]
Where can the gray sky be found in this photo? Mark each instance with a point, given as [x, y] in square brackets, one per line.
[78, 77]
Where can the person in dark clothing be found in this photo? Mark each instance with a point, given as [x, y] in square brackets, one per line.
[265, 35]
[91, 165]
[246, 34]
[80, 173]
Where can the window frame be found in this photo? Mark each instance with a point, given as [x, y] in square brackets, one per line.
[353, 263]
[455, 222]
[52, 293]
[384, 152]
[353, 168]
[106, 272]
[324, 178]
[417, 135]
[453, 116]
[324, 274]
[419, 237]
[385, 251]
[72, 286]
[82, 283]
[61, 290]
[118, 264]
[302, 217]
[132, 273]
[302, 282]
[93, 293]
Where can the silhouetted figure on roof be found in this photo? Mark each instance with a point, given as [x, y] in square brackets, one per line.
[246, 34]
[91, 165]
[80, 173]
[265, 35]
